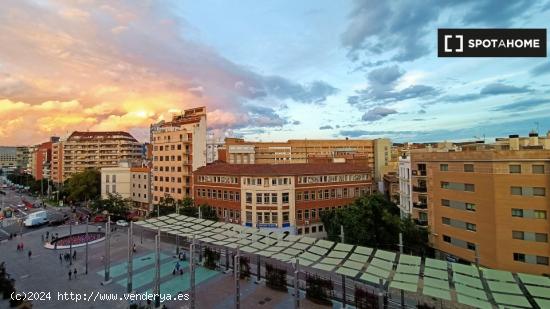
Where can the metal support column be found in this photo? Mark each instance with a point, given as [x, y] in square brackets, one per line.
[258, 269]
[381, 294]
[108, 249]
[296, 285]
[237, 274]
[192, 272]
[70, 242]
[87, 223]
[130, 257]
[226, 259]
[156, 286]
[343, 291]
[401, 252]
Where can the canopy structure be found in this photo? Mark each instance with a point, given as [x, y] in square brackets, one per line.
[464, 284]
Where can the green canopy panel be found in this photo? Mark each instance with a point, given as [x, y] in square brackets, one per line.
[337, 254]
[514, 300]
[436, 283]
[473, 302]
[382, 264]
[331, 261]
[538, 291]
[354, 265]
[406, 278]
[498, 275]
[372, 278]
[410, 260]
[543, 303]
[385, 255]
[358, 258]
[437, 293]
[324, 244]
[534, 280]
[504, 287]
[471, 292]
[343, 247]
[363, 250]
[466, 280]
[318, 250]
[404, 286]
[325, 267]
[408, 269]
[465, 269]
[382, 273]
[436, 273]
[347, 271]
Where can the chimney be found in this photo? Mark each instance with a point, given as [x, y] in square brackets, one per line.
[533, 139]
[514, 141]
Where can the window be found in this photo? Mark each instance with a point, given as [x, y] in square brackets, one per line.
[274, 217]
[520, 257]
[470, 207]
[471, 227]
[516, 212]
[313, 214]
[446, 238]
[299, 231]
[306, 230]
[299, 214]
[444, 167]
[445, 202]
[266, 198]
[273, 198]
[273, 181]
[259, 198]
[266, 217]
[306, 214]
[469, 168]
[518, 235]
[285, 216]
[320, 228]
[516, 190]
[471, 246]
[314, 229]
[298, 196]
[537, 191]
[540, 214]
[249, 197]
[538, 169]
[446, 220]
[541, 237]
[107, 178]
[444, 185]
[259, 217]
[285, 197]
[469, 187]
[515, 169]
[542, 260]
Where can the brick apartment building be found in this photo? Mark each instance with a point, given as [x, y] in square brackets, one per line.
[489, 202]
[283, 197]
[179, 148]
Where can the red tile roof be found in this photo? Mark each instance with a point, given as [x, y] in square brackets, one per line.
[76, 135]
[281, 169]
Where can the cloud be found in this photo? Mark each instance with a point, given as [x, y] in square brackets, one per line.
[122, 57]
[381, 89]
[522, 105]
[377, 113]
[326, 127]
[499, 88]
[359, 133]
[403, 30]
[541, 69]
[296, 122]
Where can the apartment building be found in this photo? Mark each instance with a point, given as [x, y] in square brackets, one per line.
[488, 205]
[213, 146]
[179, 148]
[8, 159]
[40, 159]
[282, 197]
[82, 150]
[375, 154]
[130, 182]
[405, 186]
[22, 157]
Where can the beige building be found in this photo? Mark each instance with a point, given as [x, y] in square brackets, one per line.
[82, 150]
[179, 148]
[130, 182]
[487, 203]
[8, 158]
[375, 154]
[140, 179]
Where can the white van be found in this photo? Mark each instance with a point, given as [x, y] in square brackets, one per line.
[36, 218]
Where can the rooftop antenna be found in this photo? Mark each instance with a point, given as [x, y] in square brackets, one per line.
[537, 124]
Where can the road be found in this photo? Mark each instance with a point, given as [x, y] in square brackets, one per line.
[12, 225]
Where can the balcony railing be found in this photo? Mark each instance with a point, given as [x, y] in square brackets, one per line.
[420, 222]
[419, 189]
[420, 205]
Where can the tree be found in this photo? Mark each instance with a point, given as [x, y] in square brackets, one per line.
[83, 186]
[372, 221]
[208, 212]
[187, 208]
[114, 204]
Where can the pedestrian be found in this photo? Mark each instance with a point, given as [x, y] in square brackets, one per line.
[74, 255]
[22, 247]
[74, 273]
[42, 235]
[48, 235]
[70, 274]
[30, 254]
[60, 259]
[134, 248]
[18, 247]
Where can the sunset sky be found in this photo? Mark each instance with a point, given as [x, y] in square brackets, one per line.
[266, 70]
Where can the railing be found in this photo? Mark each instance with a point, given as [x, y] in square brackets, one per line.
[421, 222]
[419, 189]
[420, 205]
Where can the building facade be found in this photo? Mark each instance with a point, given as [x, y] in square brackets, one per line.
[82, 150]
[130, 182]
[489, 205]
[179, 148]
[283, 197]
[405, 186]
[8, 159]
[116, 180]
[140, 190]
[375, 154]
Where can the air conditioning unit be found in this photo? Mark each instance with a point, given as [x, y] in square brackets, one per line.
[307, 222]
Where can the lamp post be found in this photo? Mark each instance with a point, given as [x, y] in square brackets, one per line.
[87, 222]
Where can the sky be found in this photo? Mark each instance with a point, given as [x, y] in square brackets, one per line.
[266, 70]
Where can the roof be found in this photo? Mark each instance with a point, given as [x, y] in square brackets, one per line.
[281, 169]
[77, 135]
[450, 283]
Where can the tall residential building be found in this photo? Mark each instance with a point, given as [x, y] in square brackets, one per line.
[22, 158]
[41, 158]
[488, 204]
[282, 197]
[179, 148]
[213, 146]
[405, 186]
[375, 154]
[82, 150]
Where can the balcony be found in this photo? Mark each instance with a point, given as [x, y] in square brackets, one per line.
[419, 173]
[420, 205]
[420, 189]
[420, 222]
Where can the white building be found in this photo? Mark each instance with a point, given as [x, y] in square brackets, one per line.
[116, 180]
[212, 145]
[405, 186]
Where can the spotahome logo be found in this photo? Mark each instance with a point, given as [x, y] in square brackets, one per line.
[491, 42]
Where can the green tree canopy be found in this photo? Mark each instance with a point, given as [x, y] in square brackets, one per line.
[372, 221]
[83, 186]
[114, 204]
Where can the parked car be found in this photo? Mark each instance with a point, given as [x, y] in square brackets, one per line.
[99, 218]
[122, 223]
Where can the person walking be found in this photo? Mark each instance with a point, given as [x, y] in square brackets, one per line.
[60, 259]
[74, 273]
[70, 274]
[30, 254]
[74, 256]
[47, 235]
[42, 235]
